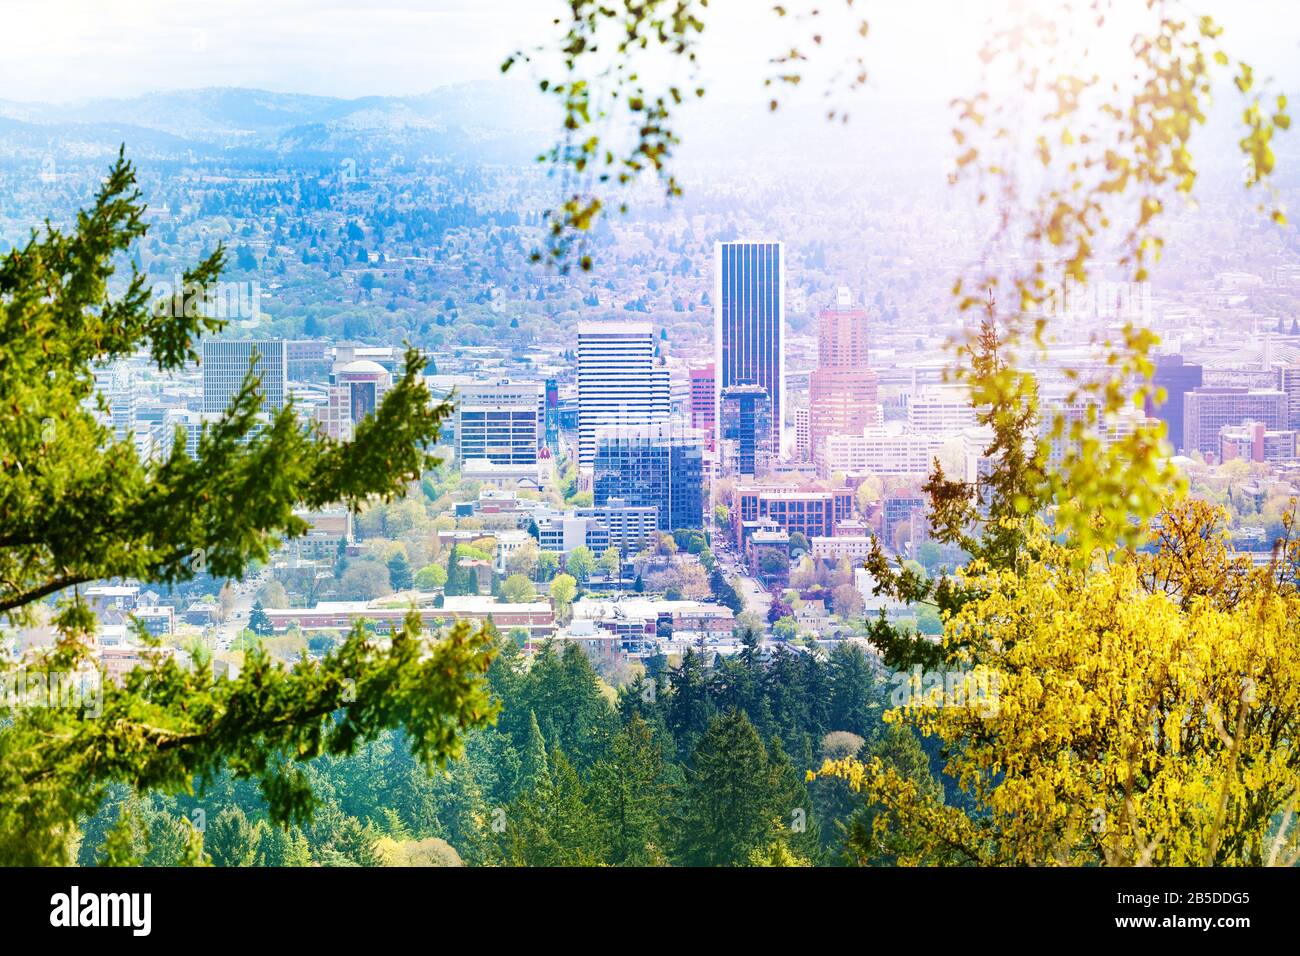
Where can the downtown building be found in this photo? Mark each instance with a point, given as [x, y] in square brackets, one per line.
[1206, 410]
[225, 364]
[745, 427]
[1177, 378]
[614, 524]
[941, 410]
[704, 397]
[1289, 379]
[880, 451]
[500, 422]
[802, 434]
[1252, 441]
[621, 384]
[355, 391]
[842, 390]
[896, 510]
[810, 513]
[748, 323]
[116, 384]
[656, 465]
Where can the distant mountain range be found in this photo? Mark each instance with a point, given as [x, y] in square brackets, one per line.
[480, 120]
[503, 121]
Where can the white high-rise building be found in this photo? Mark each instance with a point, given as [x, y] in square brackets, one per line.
[941, 410]
[115, 383]
[225, 363]
[620, 382]
[500, 422]
[802, 433]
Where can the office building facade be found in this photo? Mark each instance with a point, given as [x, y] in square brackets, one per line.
[704, 409]
[226, 363]
[1206, 410]
[1177, 378]
[810, 513]
[659, 466]
[842, 390]
[500, 422]
[1289, 380]
[745, 426]
[749, 322]
[356, 390]
[621, 383]
[629, 528]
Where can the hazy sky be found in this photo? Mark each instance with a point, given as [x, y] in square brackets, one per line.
[75, 49]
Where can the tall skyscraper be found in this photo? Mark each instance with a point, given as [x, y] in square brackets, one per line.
[620, 382]
[745, 426]
[115, 383]
[749, 321]
[660, 465]
[842, 389]
[552, 416]
[1177, 378]
[225, 363]
[1290, 382]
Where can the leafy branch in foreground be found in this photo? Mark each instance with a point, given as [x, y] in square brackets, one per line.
[168, 726]
[586, 155]
[78, 506]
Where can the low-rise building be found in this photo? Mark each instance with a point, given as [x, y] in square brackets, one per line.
[157, 620]
[536, 617]
[852, 548]
[116, 597]
[637, 621]
[1255, 441]
[328, 531]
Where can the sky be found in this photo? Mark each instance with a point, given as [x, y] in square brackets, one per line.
[60, 50]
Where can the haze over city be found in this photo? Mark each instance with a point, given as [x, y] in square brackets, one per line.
[436, 435]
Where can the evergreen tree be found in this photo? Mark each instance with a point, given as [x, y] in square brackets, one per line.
[287, 847]
[898, 750]
[534, 770]
[80, 506]
[817, 693]
[689, 705]
[729, 805]
[460, 580]
[793, 804]
[258, 621]
[734, 685]
[630, 796]
[399, 572]
[551, 824]
[233, 840]
[852, 691]
[564, 692]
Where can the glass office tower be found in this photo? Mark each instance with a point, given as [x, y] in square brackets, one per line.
[659, 465]
[749, 320]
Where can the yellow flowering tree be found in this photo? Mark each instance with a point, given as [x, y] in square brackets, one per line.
[1145, 710]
